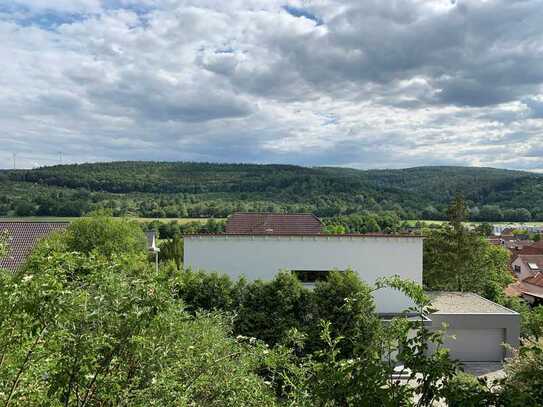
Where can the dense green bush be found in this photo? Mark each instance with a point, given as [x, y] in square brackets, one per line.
[172, 250]
[3, 243]
[268, 310]
[465, 390]
[521, 387]
[105, 235]
[174, 228]
[524, 382]
[100, 327]
[367, 375]
[201, 291]
[459, 259]
[347, 302]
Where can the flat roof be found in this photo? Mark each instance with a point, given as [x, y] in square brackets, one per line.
[453, 302]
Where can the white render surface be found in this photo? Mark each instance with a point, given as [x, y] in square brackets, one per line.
[475, 345]
[525, 271]
[261, 257]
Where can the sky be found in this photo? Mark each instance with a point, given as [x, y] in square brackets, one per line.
[357, 83]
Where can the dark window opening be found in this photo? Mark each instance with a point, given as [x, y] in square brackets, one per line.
[517, 269]
[311, 276]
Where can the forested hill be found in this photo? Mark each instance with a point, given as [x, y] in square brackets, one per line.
[204, 189]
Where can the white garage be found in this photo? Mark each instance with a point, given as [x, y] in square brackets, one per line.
[477, 327]
[475, 345]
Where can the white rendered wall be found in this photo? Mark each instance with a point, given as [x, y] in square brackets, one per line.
[525, 272]
[261, 257]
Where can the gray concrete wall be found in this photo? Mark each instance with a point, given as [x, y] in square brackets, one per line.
[509, 322]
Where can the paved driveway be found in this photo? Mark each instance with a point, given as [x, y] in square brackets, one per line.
[491, 370]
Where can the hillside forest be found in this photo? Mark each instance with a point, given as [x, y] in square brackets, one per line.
[207, 190]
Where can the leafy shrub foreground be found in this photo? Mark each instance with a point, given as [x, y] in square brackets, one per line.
[84, 330]
[350, 360]
[88, 323]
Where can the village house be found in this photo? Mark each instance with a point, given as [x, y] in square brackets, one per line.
[527, 267]
[257, 246]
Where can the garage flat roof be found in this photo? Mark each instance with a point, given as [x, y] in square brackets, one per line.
[452, 302]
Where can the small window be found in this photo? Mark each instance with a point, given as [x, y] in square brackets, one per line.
[311, 276]
[517, 269]
[533, 266]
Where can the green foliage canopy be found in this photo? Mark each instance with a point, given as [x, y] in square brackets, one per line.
[165, 189]
[458, 259]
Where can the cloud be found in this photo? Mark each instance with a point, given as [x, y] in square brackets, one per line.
[370, 84]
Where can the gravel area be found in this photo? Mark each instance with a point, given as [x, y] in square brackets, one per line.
[449, 302]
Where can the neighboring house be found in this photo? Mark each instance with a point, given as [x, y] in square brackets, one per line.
[279, 243]
[529, 286]
[514, 244]
[22, 238]
[526, 265]
[273, 224]
[517, 244]
[532, 289]
[508, 230]
[534, 284]
[533, 248]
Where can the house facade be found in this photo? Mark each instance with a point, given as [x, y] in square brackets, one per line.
[526, 265]
[311, 257]
[480, 326]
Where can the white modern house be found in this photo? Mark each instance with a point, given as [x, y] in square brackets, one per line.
[311, 257]
[257, 246]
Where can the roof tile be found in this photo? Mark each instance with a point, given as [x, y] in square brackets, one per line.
[536, 279]
[273, 224]
[23, 237]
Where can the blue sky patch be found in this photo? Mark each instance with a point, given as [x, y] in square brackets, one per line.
[300, 12]
[46, 20]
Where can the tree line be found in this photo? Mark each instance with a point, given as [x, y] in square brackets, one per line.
[161, 189]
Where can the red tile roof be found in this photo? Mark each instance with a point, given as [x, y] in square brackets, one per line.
[273, 224]
[536, 279]
[535, 248]
[514, 289]
[23, 237]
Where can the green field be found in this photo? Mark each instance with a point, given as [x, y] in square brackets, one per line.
[412, 222]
